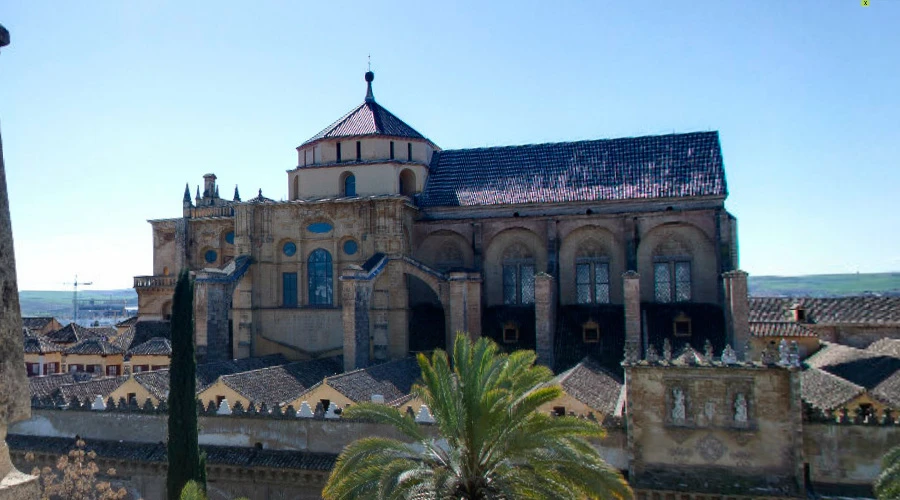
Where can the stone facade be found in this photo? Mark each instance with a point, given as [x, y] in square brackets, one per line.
[373, 256]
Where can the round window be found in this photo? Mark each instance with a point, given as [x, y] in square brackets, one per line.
[211, 256]
[230, 237]
[350, 247]
[289, 249]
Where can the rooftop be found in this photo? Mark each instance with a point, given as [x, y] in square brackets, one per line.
[282, 384]
[367, 119]
[392, 380]
[650, 167]
[863, 309]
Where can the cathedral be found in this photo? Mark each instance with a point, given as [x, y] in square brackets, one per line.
[387, 245]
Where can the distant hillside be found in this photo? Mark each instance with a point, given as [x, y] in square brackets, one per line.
[825, 285]
[104, 306]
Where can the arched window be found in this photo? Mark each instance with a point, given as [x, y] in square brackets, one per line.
[321, 292]
[407, 182]
[672, 271]
[349, 185]
[592, 274]
[518, 276]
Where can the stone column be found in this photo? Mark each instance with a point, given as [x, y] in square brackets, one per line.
[15, 402]
[632, 288]
[544, 318]
[356, 293]
[737, 310]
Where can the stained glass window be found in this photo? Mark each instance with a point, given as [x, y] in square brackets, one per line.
[662, 282]
[682, 281]
[518, 284]
[592, 282]
[583, 283]
[320, 281]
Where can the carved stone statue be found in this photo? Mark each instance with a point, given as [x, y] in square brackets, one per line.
[729, 357]
[784, 357]
[740, 409]
[678, 411]
[15, 402]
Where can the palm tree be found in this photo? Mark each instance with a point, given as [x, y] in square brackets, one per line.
[887, 486]
[490, 441]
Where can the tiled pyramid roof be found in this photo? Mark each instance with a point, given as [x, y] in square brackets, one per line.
[664, 166]
[392, 380]
[93, 346]
[156, 346]
[589, 383]
[369, 118]
[72, 333]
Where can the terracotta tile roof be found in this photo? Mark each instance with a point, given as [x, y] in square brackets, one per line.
[127, 322]
[860, 366]
[862, 309]
[780, 329]
[40, 345]
[90, 389]
[889, 347]
[282, 384]
[369, 118]
[208, 373]
[888, 390]
[393, 380]
[104, 331]
[825, 390]
[47, 385]
[93, 346]
[156, 452]
[589, 383]
[71, 334]
[664, 166]
[36, 323]
[146, 330]
[154, 347]
[156, 382]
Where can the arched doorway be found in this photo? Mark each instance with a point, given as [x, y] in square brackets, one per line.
[427, 327]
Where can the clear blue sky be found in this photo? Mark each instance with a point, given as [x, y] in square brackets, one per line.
[108, 108]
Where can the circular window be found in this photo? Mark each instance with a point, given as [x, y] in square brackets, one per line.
[350, 247]
[230, 237]
[289, 249]
[211, 256]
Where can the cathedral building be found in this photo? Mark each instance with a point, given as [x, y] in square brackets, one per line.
[388, 245]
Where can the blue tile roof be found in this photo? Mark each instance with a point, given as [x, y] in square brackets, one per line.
[664, 166]
[369, 118]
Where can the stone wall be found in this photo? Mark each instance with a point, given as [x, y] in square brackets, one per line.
[846, 458]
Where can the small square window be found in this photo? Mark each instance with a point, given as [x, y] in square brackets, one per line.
[559, 411]
[591, 332]
[681, 325]
[510, 333]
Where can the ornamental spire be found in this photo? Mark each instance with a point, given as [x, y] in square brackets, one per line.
[370, 97]
[187, 193]
[237, 195]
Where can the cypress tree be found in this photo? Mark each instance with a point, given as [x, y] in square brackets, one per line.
[183, 449]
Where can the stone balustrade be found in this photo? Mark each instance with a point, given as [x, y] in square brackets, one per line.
[155, 281]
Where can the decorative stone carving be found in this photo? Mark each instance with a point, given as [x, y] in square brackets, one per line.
[711, 448]
[709, 411]
[740, 409]
[667, 350]
[652, 354]
[784, 357]
[678, 406]
[305, 411]
[708, 350]
[729, 357]
[795, 354]
[224, 408]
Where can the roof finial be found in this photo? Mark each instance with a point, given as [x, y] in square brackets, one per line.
[369, 77]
